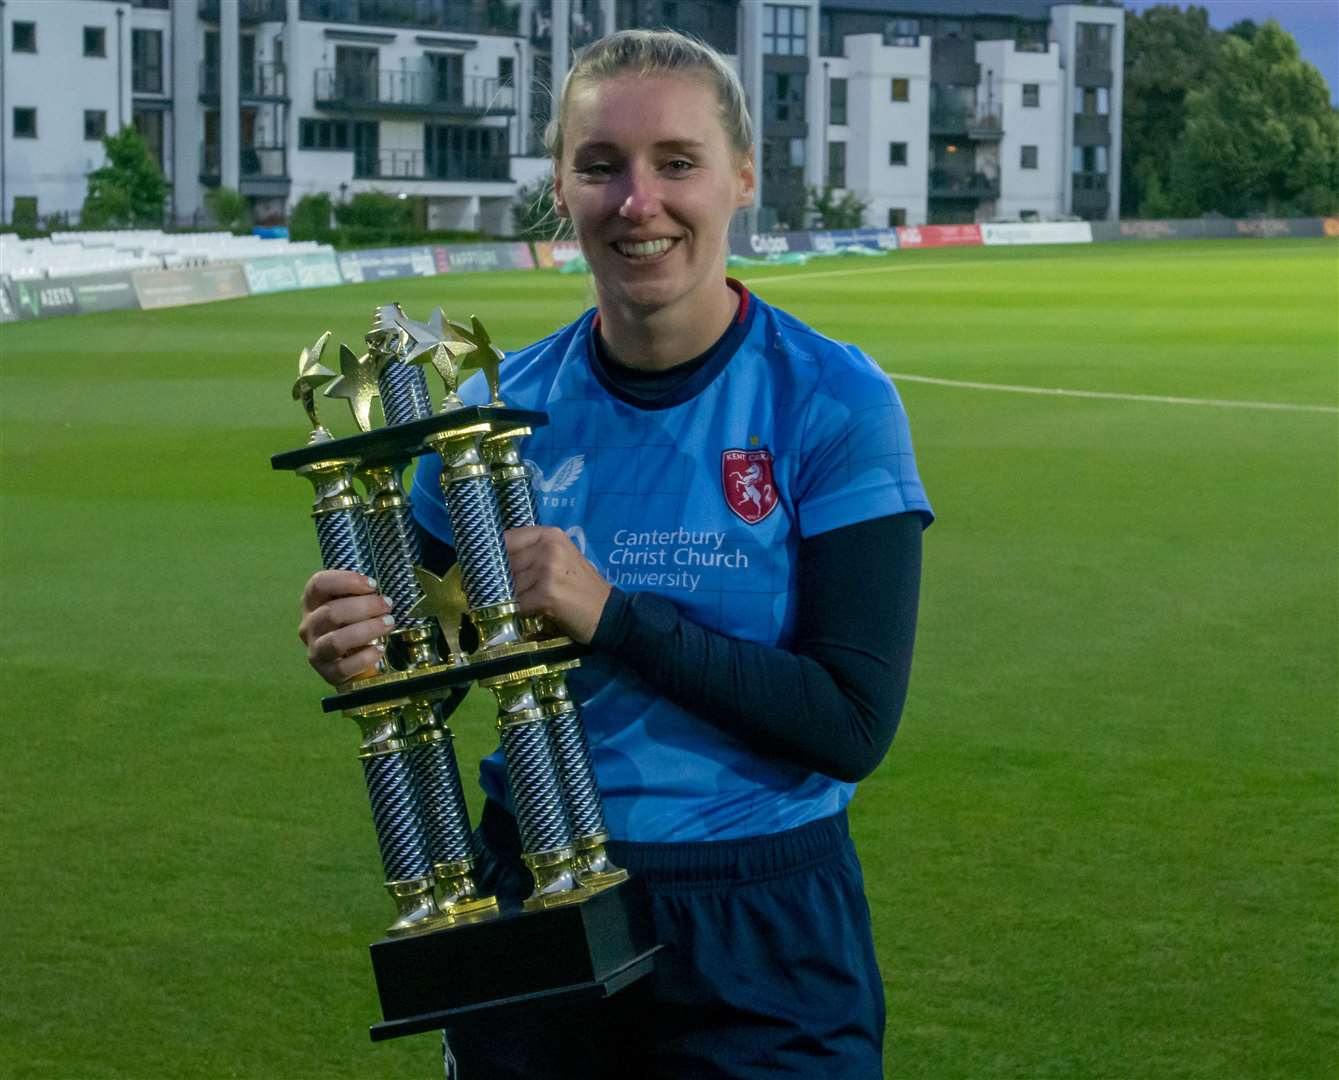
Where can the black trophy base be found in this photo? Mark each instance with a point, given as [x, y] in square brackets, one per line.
[517, 961]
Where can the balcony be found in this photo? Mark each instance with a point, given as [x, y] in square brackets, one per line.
[416, 165]
[1091, 197]
[259, 82]
[458, 16]
[1092, 68]
[262, 170]
[984, 124]
[953, 62]
[961, 184]
[1091, 130]
[413, 92]
[248, 11]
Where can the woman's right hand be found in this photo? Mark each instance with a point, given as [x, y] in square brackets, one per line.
[343, 618]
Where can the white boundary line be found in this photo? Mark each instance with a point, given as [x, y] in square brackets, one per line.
[1276, 406]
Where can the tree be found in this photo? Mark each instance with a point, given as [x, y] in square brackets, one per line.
[532, 214]
[1168, 53]
[129, 189]
[1261, 136]
[830, 212]
[310, 219]
[229, 208]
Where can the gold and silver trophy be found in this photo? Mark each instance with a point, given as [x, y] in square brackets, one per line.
[452, 952]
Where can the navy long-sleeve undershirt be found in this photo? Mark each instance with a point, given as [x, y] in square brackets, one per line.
[829, 702]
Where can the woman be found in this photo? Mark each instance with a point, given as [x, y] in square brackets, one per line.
[733, 522]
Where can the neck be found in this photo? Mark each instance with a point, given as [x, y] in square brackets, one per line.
[660, 339]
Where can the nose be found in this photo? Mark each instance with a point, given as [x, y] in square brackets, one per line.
[641, 196]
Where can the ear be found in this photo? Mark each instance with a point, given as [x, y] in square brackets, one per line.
[559, 203]
[748, 181]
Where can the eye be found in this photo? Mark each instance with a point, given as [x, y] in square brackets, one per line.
[594, 170]
[679, 165]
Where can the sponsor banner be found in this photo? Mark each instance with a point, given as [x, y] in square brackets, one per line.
[463, 258]
[271, 232]
[760, 245]
[1268, 227]
[112, 291]
[1104, 231]
[43, 298]
[278, 273]
[875, 239]
[1153, 230]
[928, 236]
[551, 254]
[196, 285]
[382, 264]
[1038, 232]
[9, 310]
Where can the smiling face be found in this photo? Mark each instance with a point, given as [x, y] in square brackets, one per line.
[650, 181]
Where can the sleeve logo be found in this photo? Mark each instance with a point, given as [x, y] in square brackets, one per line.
[746, 478]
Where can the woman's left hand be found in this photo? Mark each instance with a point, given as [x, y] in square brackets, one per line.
[554, 579]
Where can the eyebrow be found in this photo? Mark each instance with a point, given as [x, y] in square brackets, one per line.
[599, 147]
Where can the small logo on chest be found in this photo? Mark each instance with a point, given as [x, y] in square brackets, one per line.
[548, 489]
[746, 480]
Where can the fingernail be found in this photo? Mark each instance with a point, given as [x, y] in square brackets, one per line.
[380, 646]
[388, 620]
[372, 583]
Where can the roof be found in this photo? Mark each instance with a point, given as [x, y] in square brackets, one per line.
[1024, 10]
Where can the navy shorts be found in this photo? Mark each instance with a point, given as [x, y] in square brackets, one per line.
[769, 969]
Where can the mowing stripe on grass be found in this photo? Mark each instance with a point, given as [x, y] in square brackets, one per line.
[1281, 406]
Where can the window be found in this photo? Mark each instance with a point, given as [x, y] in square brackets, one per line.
[901, 89]
[1028, 158]
[336, 134]
[1099, 159]
[1095, 36]
[783, 96]
[902, 32]
[797, 153]
[837, 101]
[785, 30]
[25, 36]
[897, 216]
[95, 41]
[1103, 101]
[95, 124]
[506, 66]
[25, 123]
[1031, 95]
[1076, 159]
[897, 153]
[829, 44]
[146, 61]
[149, 123]
[837, 164]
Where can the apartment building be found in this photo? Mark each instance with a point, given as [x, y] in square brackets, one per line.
[928, 110]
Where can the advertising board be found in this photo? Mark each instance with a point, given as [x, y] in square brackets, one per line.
[464, 258]
[876, 239]
[930, 236]
[276, 273]
[383, 264]
[8, 311]
[1038, 232]
[550, 254]
[760, 245]
[44, 298]
[196, 285]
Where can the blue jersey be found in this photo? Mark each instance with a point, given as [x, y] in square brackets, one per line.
[703, 501]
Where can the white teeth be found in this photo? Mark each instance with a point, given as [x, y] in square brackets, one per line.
[643, 248]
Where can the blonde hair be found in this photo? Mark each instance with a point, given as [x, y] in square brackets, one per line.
[656, 52]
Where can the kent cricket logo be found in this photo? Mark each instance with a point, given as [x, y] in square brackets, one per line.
[746, 477]
[548, 489]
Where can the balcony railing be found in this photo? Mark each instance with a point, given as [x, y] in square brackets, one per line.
[461, 16]
[417, 165]
[248, 11]
[412, 91]
[267, 81]
[1092, 68]
[1091, 197]
[960, 184]
[253, 163]
[1090, 130]
[983, 122]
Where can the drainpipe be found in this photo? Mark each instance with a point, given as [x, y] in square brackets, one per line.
[120, 70]
[4, 200]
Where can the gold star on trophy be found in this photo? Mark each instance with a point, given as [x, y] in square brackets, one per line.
[443, 599]
[311, 374]
[357, 383]
[488, 355]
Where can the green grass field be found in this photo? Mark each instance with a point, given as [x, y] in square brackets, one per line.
[1104, 844]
